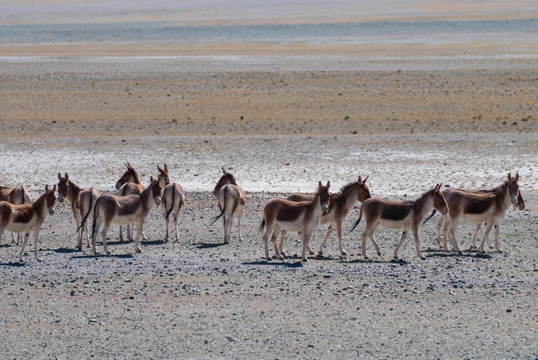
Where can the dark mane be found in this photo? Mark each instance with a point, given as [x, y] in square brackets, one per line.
[232, 179]
[348, 186]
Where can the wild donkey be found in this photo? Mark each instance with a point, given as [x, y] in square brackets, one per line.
[129, 184]
[281, 214]
[16, 196]
[122, 210]
[340, 205]
[449, 193]
[232, 200]
[399, 214]
[82, 202]
[27, 217]
[477, 208]
[173, 198]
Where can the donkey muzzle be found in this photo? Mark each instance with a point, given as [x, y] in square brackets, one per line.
[51, 210]
[514, 199]
[158, 200]
[445, 210]
[325, 208]
[60, 197]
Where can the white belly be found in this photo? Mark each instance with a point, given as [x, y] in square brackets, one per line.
[396, 224]
[20, 227]
[475, 218]
[124, 219]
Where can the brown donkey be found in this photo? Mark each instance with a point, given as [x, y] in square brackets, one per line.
[16, 196]
[173, 198]
[82, 202]
[399, 214]
[477, 208]
[339, 207]
[129, 184]
[448, 196]
[281, 214]
[122, 210]
[27, 217]
[232, 200]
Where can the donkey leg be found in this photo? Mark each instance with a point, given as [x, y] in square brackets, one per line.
[497, 238]
[227, 227]
[121, 233]
[239, 214]
[475, 235]
[327, 234]
[36, 235]
[339, 234]
[400, 243]
[176, 216]
[282, 237]
[103, 235]
[417, 244]
[306, 239]
[166, 220]
[139, 230]
[486, 236]
[439, 227]
[23, 246]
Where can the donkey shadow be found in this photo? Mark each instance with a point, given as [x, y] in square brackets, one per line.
[209, 245]
[274, 262]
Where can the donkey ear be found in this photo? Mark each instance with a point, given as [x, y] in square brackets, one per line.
[54, 188]
[366, 178]
[151, 179]
[159, 168]
[517, 176]
[59, 176]
[66, 176]
[166, 167]
[328, 185]
[509, 176]
[46, 188]
[224, 171]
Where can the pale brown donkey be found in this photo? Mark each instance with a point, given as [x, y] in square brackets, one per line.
[477, 208]
[122, 210]
[341, 203]
[231, 199]
[399, 214]
[17, 196]
[282, 214]
[129, 184]
[448, 195]
[82, 202]
[27, 217]
[173, 198]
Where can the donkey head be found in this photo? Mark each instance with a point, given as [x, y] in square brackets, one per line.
[50, 198]
[130, 175]
[513, 188]
[63, 185]
[520, 201]
[439, 202]
[156, 189]
[364, 192]
[225, 179]
[163, 178]
[324, 196]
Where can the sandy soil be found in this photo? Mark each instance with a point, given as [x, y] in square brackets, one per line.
[280, 124]
[197, 298]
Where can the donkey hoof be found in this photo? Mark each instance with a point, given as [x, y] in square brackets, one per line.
[305, 260]
[108, 252]
[39, 259]
[423, 257]
[138, 251]
[343, 253]
[500, 251]
[460, 252]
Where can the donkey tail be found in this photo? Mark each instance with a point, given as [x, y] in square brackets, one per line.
[94, 224]
[223, 207]
[87, 214]
[357, 222]
[262, 225]
[173, 202]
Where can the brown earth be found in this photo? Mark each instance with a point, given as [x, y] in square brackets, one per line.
[197, 298]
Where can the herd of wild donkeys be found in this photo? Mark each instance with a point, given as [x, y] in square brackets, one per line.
[298, 213]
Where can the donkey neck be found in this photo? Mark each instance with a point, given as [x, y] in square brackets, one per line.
[504, 195]
[40, 206]
[72, 191]
[146, 198]
[423, 204]
[347, 197]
